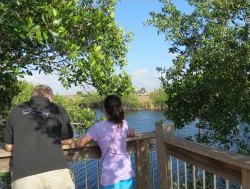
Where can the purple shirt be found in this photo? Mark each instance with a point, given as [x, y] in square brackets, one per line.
[116, 164]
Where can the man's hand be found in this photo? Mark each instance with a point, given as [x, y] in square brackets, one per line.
[67, 142]
[9, 147]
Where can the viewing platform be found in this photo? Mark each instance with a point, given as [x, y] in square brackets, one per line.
[181, 163]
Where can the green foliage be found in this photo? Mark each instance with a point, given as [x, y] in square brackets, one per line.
[130, 101]
[24, 94]
[8, 89]
[79, 40]
[16, 93]
[159, 98]
[210, 77]
[77, 114]
[92, 100]
[142, 91]
[5, 179]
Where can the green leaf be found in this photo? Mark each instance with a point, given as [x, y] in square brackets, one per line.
[39, 35]
[54, 33]
[55, 12]
[57, 22]
[30, 22]
[45, 36]
[97, 48]
[43, 19]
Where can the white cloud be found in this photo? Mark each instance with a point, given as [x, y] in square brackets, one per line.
[53, 82]
[140, 73]
[149, 79]
[145, 78]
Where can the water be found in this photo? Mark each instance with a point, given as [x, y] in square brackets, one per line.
[144, 121]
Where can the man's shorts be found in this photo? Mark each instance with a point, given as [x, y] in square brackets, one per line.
[56, 179]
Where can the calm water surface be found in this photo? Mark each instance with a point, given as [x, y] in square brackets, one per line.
[144, 121]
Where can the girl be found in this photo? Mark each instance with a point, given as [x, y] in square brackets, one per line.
[111, 135]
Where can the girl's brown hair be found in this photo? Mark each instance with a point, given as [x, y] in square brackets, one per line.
[113, 107]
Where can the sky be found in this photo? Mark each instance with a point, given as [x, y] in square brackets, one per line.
[147, 50]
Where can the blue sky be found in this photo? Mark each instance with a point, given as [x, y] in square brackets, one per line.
[147, 51]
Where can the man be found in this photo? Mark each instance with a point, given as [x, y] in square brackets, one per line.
[35, 132]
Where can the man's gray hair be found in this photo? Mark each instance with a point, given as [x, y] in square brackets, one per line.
[43, 90]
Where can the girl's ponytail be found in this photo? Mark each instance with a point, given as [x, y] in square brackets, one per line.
[113, 107]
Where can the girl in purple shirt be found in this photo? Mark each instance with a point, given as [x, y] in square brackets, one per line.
[111, 135]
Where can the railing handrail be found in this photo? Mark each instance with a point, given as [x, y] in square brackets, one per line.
[74, 153]
[212, 160]
[235, 159]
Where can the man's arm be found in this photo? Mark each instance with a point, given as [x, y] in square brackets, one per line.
[67, 130]
[9, 147]
[8, 134]
[67, 141]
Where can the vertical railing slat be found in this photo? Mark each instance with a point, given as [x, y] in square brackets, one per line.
[185, 172]
[98, 173]
[152, 168]
[86, 174]
[164, 161]
[215, 181]
[245, 179]
[194, 177]
[178, 173]
[171, 173]
[143, 164]
[227, 184]
[204, 179]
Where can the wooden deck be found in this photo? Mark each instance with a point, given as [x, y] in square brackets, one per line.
[234, 168]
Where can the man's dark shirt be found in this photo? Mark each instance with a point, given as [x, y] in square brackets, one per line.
[36, 129]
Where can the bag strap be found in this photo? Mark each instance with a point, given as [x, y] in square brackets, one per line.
[106, 152]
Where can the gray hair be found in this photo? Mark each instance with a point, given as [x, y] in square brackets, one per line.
[43, 90]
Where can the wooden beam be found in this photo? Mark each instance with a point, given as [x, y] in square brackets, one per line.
[245, 179]
[74, 153]
[143, 174]
[164, 161]
[235, 159]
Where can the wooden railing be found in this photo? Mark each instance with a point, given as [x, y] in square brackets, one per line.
[230, 166]
[140, 145]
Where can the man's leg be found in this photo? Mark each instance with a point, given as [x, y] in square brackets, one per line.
[29, 182]
[59, 179]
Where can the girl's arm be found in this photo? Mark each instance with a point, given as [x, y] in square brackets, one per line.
[83, 140]
[131, 132]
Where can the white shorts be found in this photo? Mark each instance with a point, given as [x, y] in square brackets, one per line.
[58, 179]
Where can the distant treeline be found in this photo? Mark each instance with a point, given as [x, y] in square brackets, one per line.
[130, 102]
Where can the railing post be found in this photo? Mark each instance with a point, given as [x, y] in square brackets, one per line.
[164, 161]
[245, 179]
[143, 176]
